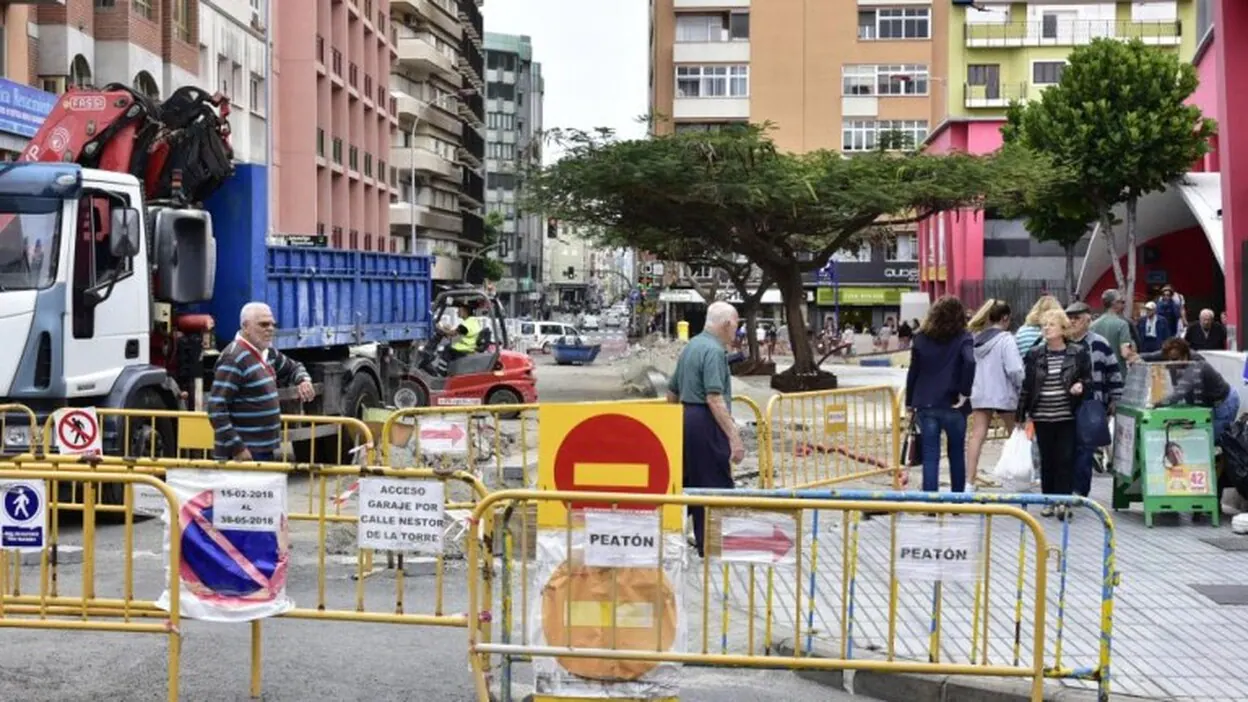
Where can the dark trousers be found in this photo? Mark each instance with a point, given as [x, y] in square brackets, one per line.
[932, 422]
[1056, 441]
[708, 461]
[1085, 459]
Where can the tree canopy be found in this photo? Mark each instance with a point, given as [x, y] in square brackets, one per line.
[734, 192]
[1119, 123]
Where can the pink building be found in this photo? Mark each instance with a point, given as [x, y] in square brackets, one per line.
[332, 61]
[1192, 235]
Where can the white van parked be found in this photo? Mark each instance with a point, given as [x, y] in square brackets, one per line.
[539, 336]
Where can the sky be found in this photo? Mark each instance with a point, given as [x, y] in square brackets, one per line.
[594, 56]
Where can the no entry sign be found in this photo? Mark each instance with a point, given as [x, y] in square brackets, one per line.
[629, 448]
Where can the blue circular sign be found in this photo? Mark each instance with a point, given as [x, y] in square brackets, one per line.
[21, 503]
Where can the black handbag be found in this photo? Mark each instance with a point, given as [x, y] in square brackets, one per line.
[912, 445]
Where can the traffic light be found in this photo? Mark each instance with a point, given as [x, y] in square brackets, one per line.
[552, 228]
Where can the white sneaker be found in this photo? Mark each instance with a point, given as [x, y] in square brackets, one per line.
[969, 489]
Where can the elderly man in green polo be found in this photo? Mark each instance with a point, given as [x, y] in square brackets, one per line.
[702, 384]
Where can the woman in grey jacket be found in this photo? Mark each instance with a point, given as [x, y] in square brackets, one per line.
[998, 376]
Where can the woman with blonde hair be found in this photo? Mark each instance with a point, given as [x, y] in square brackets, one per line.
[998, 376]
[1028, 335]
[1057, 373]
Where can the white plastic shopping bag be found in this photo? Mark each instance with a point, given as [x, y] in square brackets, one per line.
[1014, 467]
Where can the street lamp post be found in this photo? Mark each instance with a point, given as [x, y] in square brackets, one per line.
[478, 254]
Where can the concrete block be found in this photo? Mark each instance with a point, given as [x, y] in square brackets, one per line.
[65, 555]
[829, 678]
[899, 687]
[988, 689]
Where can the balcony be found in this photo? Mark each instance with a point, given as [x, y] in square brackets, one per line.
[426, 218]
[422, 56]
[432, 12]
[1070, 32]
[995, 95]
[409, 108]
[711, 108]
[737, 51]
[710, 4]
[401, 157]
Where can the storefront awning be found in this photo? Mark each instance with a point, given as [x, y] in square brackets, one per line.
[771, 296]
[682, 295]
[1195, 201]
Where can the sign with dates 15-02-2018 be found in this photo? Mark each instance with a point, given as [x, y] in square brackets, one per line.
[401, 515]
[248, 509]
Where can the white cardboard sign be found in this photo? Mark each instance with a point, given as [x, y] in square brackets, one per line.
[758, 541]
[443, 436]
[621, 539]
[256, 508]
[402, 515]
[944, 549]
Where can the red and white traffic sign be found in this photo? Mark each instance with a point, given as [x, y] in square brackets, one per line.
[443, 436]
[78, 431]
[616, 447]
[758, 541]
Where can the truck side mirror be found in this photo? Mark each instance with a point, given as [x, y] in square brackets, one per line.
[124, 233]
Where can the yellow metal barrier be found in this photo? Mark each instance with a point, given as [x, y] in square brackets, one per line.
[768, 595]
[498, 443]
[833, 436]
[86, 610]
[329, 523]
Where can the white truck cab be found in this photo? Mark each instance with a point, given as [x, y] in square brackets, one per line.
[85, 268]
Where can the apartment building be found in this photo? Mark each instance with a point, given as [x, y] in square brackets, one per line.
[996, 52]
[835, 74]
[25, 106]
[715, 62]
[332, 117]
[431, 206]
[514, 92]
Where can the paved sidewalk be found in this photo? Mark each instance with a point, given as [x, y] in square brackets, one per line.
[1169, 640]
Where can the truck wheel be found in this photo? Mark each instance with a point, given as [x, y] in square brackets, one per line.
[150, 437]
[361, 393]
[410, 394]
[504, 396]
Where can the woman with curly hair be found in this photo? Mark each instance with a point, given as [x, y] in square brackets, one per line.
[938, 387]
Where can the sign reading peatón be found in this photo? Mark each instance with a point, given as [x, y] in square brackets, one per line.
[621, 539]
[948, 549]
[402, 515]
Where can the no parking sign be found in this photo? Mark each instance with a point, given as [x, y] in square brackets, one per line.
[235, 544]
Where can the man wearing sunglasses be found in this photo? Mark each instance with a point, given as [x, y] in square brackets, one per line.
[243, 405]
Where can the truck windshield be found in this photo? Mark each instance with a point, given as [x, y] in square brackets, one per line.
[29, 244]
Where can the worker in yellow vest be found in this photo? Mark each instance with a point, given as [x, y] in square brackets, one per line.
[466, 334]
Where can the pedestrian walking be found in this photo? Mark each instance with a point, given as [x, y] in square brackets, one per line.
[702, 385]
[998, 376]
[1100, 399]
[1112, 326]
[938, 389]
[1154, 329]
[1028, 335]
[243, 404]
[1055, 376]
[1170, 307]
[1209, 335]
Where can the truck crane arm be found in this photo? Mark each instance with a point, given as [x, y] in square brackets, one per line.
[179, 149]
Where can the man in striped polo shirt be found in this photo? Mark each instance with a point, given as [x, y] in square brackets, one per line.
[1107, 385]
[243, 405]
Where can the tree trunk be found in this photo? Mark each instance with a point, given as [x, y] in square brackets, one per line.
[1129, 290]
[1107, 230]
[1070, 271]
[789, 280]
[751, 327]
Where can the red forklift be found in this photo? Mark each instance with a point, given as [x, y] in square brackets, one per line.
[492, 375]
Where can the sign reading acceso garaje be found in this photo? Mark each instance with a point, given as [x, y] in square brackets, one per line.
[939, 550]
[401, 515]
